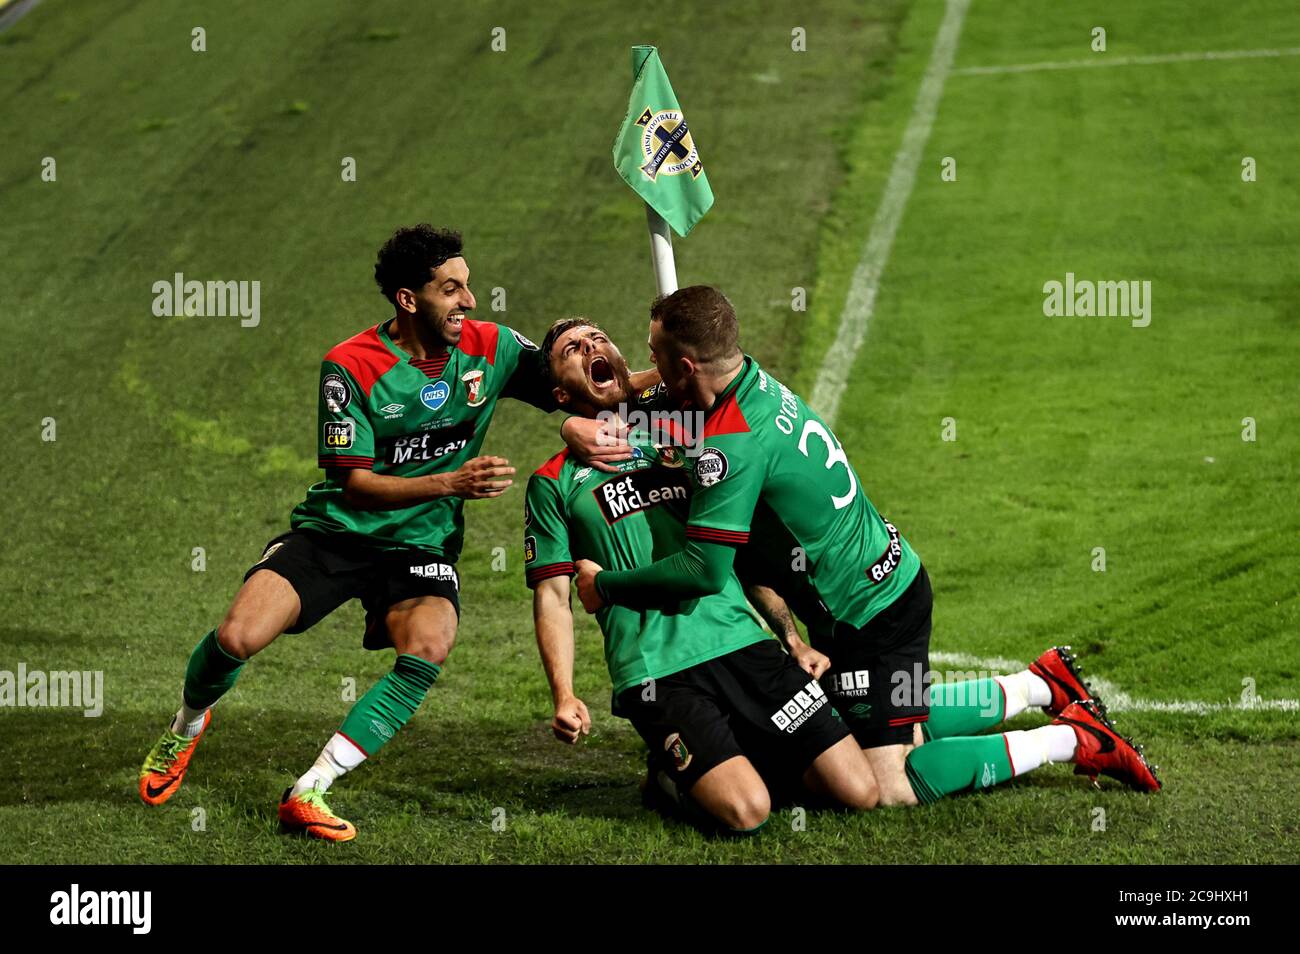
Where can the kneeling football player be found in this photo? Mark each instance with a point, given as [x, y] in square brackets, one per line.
[721, 706]
[771, 473]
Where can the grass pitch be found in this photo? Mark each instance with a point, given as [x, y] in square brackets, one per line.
[1072, 434]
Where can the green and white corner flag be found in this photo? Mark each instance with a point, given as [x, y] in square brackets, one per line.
[655, 152]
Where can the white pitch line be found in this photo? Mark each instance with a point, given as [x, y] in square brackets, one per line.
[861, 300]
[1116, 699]
[1150, 60]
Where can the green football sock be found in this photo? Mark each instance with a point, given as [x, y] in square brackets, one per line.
[389, 704]
[964, 708]
[945, 766]
[210, 673]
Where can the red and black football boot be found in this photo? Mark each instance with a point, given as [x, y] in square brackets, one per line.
[1057, 668]
[1102, 750]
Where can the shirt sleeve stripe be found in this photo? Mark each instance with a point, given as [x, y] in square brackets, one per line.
[357, 463]
[714, 535]
[538, 573]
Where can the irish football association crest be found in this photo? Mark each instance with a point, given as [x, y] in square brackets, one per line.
[668, 146]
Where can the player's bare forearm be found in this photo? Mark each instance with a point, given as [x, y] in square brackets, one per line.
[475, 479]
[366, 490]
[553, 622]
[774, 610]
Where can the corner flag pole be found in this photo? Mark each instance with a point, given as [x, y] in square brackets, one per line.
[661, 239]
[655, 154]
[661, 252]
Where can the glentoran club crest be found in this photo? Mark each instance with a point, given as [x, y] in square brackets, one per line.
[668, 145]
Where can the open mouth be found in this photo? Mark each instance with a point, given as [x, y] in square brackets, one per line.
[600, 372]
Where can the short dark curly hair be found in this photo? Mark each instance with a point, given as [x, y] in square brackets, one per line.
[410, 257]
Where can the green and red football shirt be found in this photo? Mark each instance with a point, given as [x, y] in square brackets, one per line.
[383, 410]
[771, 475]
[621, 521]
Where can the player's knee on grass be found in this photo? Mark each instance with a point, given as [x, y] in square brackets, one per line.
[733, 793]
[745, 810]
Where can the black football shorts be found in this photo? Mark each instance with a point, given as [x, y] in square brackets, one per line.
[878, 676]
[327, 570]
[754, 701]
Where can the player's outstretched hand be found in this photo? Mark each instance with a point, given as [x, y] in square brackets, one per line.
[598, 443]
[586, 582]
[481, 477]
[810, 660]
[571, 720]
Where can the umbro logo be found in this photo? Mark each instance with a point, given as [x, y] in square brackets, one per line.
[391, 411]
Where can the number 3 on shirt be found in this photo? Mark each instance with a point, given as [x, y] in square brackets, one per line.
[834, 455]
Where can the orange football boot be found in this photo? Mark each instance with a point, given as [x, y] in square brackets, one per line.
[308, 813]
[164, 767]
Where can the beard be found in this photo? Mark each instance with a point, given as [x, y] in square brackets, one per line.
[588, 401]
[444, 331]
[609, 399]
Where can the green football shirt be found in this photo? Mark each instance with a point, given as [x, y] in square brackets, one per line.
[623, 520]
[383, 410]
[770, 475]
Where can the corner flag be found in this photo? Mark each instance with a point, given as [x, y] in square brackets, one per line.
[655, 152]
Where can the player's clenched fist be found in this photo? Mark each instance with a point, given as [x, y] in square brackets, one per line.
[571, 720]
[810, 660]
[481, 477]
